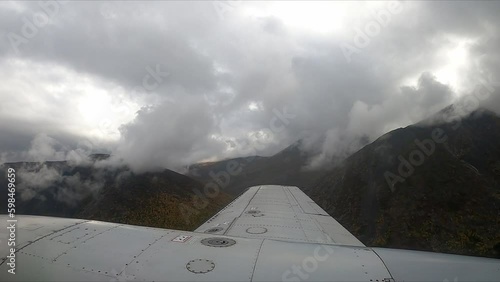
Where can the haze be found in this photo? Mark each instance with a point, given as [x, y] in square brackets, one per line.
[168, 84]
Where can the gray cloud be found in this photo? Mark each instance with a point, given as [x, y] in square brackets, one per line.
[169, 135]
[228, 74]
[36, 180]
[71, 189]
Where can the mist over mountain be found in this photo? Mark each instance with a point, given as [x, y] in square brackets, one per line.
[285, 168]
[426, 186]
[165, 84]
[433, 185]
[430, 186]
[159, 113]
[97, 191]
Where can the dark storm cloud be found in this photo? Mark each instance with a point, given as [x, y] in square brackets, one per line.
[220, 64]
[119, 47]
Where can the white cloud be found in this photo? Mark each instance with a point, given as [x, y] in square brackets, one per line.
[77, 79]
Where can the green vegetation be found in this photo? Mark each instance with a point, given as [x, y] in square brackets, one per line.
[450, 203]
[163, 211]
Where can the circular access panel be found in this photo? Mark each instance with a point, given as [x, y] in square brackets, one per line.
[218, 242]
[256, 230]
[200, 266]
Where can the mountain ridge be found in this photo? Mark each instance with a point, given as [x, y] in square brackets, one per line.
[432, 186]
[455, 150]
[436, 202]
[115, 194]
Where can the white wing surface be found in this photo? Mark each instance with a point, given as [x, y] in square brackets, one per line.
[281, 213]
[270, 233]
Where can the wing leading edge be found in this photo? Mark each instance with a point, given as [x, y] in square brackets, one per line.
[54, 249]
[301, 243]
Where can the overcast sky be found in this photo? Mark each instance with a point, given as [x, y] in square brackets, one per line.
[166, 84]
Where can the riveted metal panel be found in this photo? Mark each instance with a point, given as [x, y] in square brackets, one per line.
[166, 261]
[275, 201]
[200, 266]
[336, 231]
[307, 205]
[32, 228]
[286, 212]
[273, 208]
[270, 214]
[57, 244]
[131, 253]
[425, 266]
[285, 261]
[292, 223]
[127, 243]
[31, 268]
[273, 232]
[232, 211]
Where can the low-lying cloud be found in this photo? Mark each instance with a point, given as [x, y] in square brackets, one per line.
[81, 80]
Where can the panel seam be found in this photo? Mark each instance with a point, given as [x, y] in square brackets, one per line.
[256, 259]
[43, 237]
[234, 219]
[383, 262]
[298, 203]
[250, 201]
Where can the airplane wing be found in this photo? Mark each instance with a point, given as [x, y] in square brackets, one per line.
[281, 213]
[270, 233]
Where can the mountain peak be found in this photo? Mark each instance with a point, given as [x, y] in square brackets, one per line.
[453, 113]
